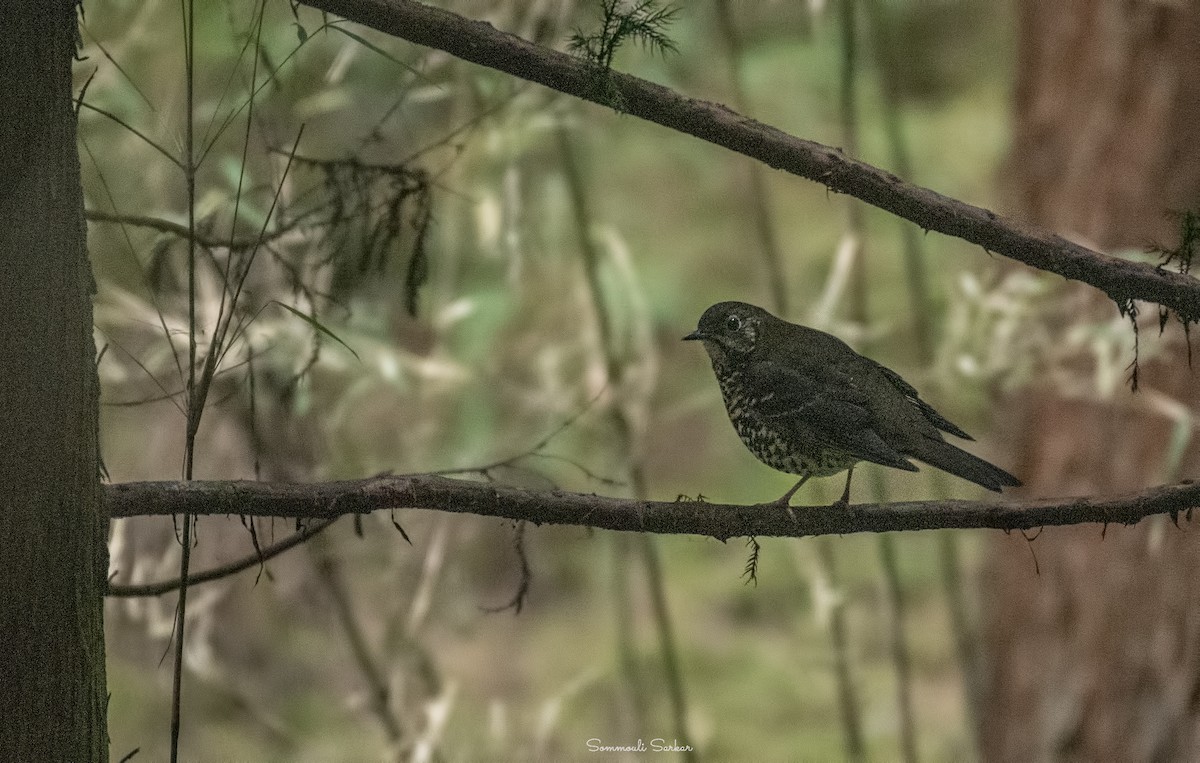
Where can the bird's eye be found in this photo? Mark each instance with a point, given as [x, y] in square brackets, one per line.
[733, 323]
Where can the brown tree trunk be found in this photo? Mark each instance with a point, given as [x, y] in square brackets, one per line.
[1098, 656]
[52, 530]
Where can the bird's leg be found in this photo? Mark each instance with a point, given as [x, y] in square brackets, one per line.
[844, 501]
[786, 498]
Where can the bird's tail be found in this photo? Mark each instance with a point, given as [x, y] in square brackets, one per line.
[960, 463]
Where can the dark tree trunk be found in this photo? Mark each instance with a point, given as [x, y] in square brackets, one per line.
[52, 529]
[1098, 656]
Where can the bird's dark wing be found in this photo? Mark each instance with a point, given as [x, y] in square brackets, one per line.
[834, 412]
[927, 410]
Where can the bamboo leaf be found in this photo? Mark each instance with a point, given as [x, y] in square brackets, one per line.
[316, 324]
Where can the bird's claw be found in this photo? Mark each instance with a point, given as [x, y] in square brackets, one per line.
[784, 503]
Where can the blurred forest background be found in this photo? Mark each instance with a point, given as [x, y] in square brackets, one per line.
[555, 252]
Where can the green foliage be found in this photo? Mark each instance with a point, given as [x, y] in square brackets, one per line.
[1189, 242]
[750, 573]
[644, 21]
[312, 321]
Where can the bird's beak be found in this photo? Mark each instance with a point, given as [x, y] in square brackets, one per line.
[695, 335]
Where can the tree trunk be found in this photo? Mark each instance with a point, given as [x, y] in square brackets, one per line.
[52, 528]
[1098, 656]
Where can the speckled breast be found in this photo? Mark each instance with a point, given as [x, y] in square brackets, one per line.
[789, 449]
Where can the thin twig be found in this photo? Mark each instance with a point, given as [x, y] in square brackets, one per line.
[631, 688]
[103, 112]
[670, 651]
[517, 602]
[221, 571]
[195, 403]
[431, 570]
[208, 242]
[901, 660]
[379, 695]
[162, 321]
[847, 696]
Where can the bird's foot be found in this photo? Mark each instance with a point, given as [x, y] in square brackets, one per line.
[782, 502]
[785, 503]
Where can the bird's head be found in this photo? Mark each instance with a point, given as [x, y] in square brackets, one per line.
[730, 330]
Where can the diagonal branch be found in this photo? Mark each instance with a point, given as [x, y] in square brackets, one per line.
[480, 43]
[323, 500]
[181, 231]
[130, 590]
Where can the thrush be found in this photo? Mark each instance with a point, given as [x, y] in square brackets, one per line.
[804, 403]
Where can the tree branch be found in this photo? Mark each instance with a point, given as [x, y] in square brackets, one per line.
[480, 43]
[120, 590]
[324, 500]
[163, 225]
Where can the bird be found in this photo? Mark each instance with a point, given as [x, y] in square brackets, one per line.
[805, 403]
